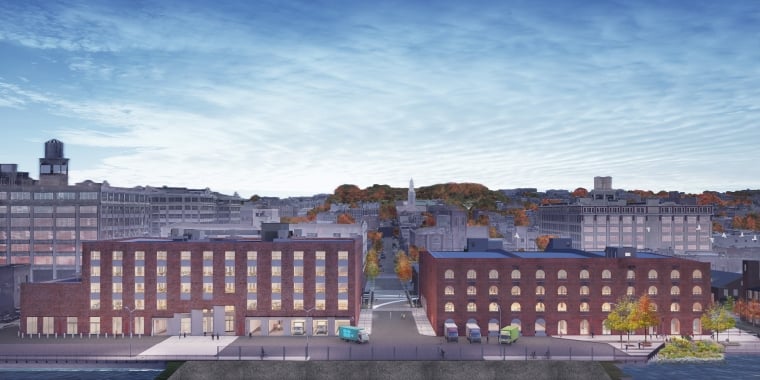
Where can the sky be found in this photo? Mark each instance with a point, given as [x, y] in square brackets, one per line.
[288, 98]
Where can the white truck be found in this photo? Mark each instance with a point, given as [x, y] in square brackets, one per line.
[451, 332]
[473, 332]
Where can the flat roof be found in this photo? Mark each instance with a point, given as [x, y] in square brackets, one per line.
[556, 254]
[469, 254]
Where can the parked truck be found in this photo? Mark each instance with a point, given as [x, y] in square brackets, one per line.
[353, 334]
[473, 332]
[451, 332]
[509, 334]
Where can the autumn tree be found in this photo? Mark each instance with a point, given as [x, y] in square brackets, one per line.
[403, 267]
[345, 219]
[371, 267]
[645, 314]
[414, 253]
[717, 227]
[388, 211]
[717, 318]
[521, 218]
[580, 193]
[543, 241]
[709, 198]
[494, 233]
[428, 220]
[620, 318]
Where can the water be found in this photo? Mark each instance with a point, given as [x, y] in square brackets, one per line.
[79, 374]
[732, 368]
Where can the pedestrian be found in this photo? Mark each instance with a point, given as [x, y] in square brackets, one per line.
[184, 334]
[592, 335]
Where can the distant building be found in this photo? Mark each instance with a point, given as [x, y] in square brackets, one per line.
[230, 287]
[11, 278]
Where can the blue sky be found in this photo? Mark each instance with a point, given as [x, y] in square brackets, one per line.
[296, 98]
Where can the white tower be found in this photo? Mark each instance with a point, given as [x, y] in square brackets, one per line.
[411, 199]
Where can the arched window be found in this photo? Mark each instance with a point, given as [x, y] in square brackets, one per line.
[674, 306]
[540, 307]
[493, 306]
[585, 307]
[472, 307]
[675, 291]
[584, 274]
[652, 290]
[584, 290]
[471, 274]
[675, 274]
[493, 274]
[606, 290]
[561, 306]
[515, 290]
[654, 306]
[696, 290]
[540, 290]
[606, 307]
[631, 274]
[696, 307]
[652, 274]
[516, 274]
[449, 274]
[630, 291]
[493, 290]
[471, 290]
[449, 291]
[449, 307]
[562, 274]
[562, 290]
[540, 274]
[515, 306]
[606, 274]
[697, 275]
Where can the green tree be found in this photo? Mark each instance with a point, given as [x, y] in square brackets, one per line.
[717, 318]
[620, 318]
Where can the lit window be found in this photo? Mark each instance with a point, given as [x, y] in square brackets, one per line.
[584, 307]
[95, 255]
[561, 306]
[606, 290]
[562, 290]
[184, 271]
[493, 290]
[185, 287]
[449, 291]
[606, 274]
[696, 307]
[471, 307]
[584, 275]
[277, 271]
[342, 304]
[139, 304]
[160, 287]
[319, 255]
[95, 271]
[449, 274]
[139, 271]
[139, 287]
[117, 255]
[675, 307]
[342, 288]
[160, 304]
[540, 307]
[493, 274]
[208, 255]
[251, 271]
[696, 290]
[515, 306]
[116, 304]
[208, 287]
[449, 307]
[161, 255]
[185, 255]
[540, 290]
[298, 271]
[516, 274]
[584, 290]
[493, 306]
[675, 274]
[116, 287]
[229, 270]
[298, 287]
[251, 304]
[229, 255]
[208, 270]
[675, 291]
[252, 287]
[297, 304]
[94, 304]
[276, 304]
[471, 275]
[652, 274]
[319, 304]
[342, 255]
[471, 291]
[251, 255]
[540, 274]
[652, 291]
[562, 274]
[631, 275]
[160, 270]
[276, 287]
[95, 287]
[139, 255]
[277, 255]
[515, 291]
[630, 291]
[697, 274]
[606, 307]
[297, 255]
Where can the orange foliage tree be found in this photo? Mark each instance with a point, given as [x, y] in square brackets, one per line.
[414, 253]
[345, 219]
[709, 198]
[521, 218]
[403, 267]
[543, 241]
[428, 220]
[645, 314]
[580, 193]
[717, 227]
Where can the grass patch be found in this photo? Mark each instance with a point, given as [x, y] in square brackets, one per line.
[171, 367]
[686, 349]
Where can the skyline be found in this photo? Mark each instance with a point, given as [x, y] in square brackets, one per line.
[298, 98]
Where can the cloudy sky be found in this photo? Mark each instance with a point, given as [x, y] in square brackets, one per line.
[295, 98]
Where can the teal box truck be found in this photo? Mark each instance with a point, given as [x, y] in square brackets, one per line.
[353, 334]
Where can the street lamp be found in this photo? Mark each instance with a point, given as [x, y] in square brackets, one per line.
[130, 311]
[306, 330]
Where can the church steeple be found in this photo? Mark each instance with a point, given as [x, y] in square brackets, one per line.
[411, 199]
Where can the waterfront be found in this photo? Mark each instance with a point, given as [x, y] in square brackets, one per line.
[733, 367]
[80, 374]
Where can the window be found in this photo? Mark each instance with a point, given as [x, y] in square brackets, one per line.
[449, 291]
[276, 271]
[515, 306]
[252, 255]
[185, 255]
[298, 255]
[116, 271]
[95, 271]
[561, 306]
[116, 287]
[516, 274]
[298, 287]
[675, 291]
[251, 271]
[117, 255]
[252, 287]
[342, 304]
[160, 270]
[139, 255]
[675, 274]
[276, 287]
[449, 307]
[251, 304]
[94, 325]
[184, 271]
[696, 290]
[606, 290]
[342, 255]
[471, 307]
[277, 255]
[229, 255]
[515, 291]
[562, 274]
[674, 307]
[160, 287]
[94, 304]
[449, 274]
[94, 287]
[208, 255]
[229, 287]
[696, 307]
[540, 307]
[298, 271]
[319, 304]
[160, 304]
[276, 304]
[208, 287]
[585, 308]
[540, 274]
[652, 291]
[229, 270]
[493, 274]
[697, 274]
[297, 304]
[606, 307]
[584, 290]
[320, 255]
[493, 290]
[630, 291]
[116, 304]
[208, 270]
[584, 275]
[471, 274]
[562, 290]
[71, 325]
[493, 306]
[540, 290]
[631, 275]
[161, 255]
[185, 287]
[606, 274]
[652, 274]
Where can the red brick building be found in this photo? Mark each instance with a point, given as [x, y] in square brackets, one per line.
[560, 292]
[232, 287]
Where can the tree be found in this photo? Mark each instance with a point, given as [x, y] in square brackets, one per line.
[619, 319]
[414, 253]
[645, 314]
[345, 219]
[580, 193]
[403, 267]
[543, 241]
[717, 318]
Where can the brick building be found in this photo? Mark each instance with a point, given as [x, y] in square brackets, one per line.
[228, 287]
[559, 292]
